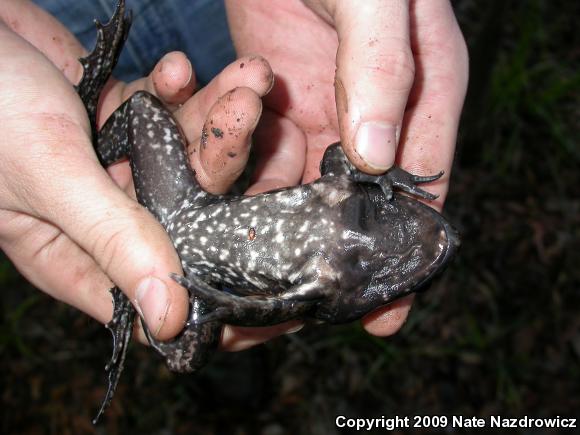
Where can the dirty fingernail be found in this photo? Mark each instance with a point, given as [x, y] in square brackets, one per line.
[376, 143]
[152, 302]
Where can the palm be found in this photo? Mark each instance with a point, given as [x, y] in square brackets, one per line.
[401, 75]
[302, 54]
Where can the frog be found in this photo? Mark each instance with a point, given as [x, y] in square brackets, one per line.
[333, 250]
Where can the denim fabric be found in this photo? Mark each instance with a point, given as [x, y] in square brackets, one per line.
[197, 27]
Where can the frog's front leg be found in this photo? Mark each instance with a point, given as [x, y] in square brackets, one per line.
[146, 132]
[397, 177]
[336, 163]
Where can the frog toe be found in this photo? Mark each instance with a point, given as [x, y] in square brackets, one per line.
[417, 179]
[121, 327]
[420, 193]
[408, 182]
[220, 314]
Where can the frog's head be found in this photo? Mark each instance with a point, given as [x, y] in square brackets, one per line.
[415, 244]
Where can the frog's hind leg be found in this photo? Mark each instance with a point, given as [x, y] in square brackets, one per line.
[121, 327]
[245, 310]
[191, 349]
[98, 65]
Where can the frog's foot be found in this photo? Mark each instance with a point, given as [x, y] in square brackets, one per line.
[243, 310]
[99, 63]
[121, 327]
[336, 163]
[192, 348]
[401, 179]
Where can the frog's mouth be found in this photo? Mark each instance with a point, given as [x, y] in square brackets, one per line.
[419, 244]
[422, 253]
[409, 258]
[449, 243]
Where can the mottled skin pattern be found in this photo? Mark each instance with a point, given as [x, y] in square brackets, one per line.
[334, 250]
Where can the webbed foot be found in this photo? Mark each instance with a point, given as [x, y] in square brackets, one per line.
[397, 177]
[99, 63]
[121, 327]
[242, 310]
[336, 163]
[191, 349]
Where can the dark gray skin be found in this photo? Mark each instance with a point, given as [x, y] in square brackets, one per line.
[334, 250]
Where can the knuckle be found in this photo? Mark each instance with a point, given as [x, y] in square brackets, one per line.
[57, 135]
[110, 236]
[106, 244]
[396, 65]
[30, 172]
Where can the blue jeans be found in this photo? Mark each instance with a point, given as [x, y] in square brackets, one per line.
[196, 27]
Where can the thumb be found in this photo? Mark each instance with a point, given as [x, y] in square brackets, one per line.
[49, 170]
[123, 238]
[375, 73]
[132, 248]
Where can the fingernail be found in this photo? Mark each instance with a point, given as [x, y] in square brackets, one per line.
[189, 74]
[152, 302]
[294, 329]
[376, 143]
[172, 66]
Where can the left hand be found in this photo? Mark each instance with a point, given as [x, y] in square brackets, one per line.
[53, 187]
[387, 78]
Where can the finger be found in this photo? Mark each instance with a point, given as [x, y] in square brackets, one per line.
[236, 338]
[120, 235]
[220, 155]
[252, 72]
[281, 153]
[375, 73]
[172, 80]
[388, 320]
[53, 263]
[219, 168]
[432, 119]
[45, 33]
[131, 248]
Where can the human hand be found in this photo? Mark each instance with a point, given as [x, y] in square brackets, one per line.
[63, 221]
[387, 78]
